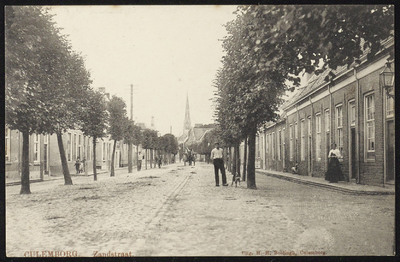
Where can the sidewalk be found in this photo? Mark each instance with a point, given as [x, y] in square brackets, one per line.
[13, 182]
[346, 187]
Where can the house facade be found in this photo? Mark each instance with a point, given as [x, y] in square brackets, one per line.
[352, 110]
[44, 154]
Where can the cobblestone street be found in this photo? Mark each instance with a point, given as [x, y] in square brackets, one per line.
[177, 211]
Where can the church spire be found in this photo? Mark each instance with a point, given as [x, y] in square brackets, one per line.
[187, 125]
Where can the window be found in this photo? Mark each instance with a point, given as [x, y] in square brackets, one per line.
[370, 123]
[389, 106]
[273, 145]
[84, 147]
[74, 148]
[36, 148]
[318, 137]
[339, 128]
[279, 144]
[270, 146]
[69, 147]
[104, 151]
[267, 146]
[327, 121]
[352, 113]
[291, 142]
[8, 144]
[303, 141]
[309, 125]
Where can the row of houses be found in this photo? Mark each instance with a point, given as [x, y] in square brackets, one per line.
[354, 110]
[44, 155]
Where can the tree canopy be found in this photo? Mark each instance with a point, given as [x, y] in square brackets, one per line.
[268, 47]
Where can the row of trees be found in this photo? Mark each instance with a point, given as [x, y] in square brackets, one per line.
[48, 91]
[121, 128]
[268, 47]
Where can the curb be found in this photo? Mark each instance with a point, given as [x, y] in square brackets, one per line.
[327, 186]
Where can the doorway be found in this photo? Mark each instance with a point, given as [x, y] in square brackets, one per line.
[328, 148]
[352, 153]
[390, 151]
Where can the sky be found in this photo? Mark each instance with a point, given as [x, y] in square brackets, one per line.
[165, 52]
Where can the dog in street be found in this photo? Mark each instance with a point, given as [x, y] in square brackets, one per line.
[235, 179]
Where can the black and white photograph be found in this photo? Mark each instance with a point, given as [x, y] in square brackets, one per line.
[199, 130]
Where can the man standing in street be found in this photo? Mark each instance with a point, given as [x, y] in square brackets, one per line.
[217, 157]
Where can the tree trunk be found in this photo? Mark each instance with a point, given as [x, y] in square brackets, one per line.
[94, 159]
[64, 164]
[237, 152]
[245, 159]
[25, 189]
[251, 167]
[151, 158]
[137, 157]
[130, 166]
[145, 158]
[233, 163]
[112, 159]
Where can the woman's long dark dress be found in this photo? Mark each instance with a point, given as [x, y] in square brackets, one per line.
[334, 173]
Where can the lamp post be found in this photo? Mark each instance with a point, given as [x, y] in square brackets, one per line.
[387, 80]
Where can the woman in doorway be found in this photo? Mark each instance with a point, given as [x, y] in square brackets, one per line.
[334, 173]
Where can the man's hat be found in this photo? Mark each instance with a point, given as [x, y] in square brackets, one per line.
[216, 143]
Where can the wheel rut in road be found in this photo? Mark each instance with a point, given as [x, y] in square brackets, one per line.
[140, 244]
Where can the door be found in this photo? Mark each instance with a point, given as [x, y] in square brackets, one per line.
[352, 153]
[390, 151]
[328, 148]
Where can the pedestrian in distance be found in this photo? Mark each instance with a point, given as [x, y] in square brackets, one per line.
[218, 161]
[159, 161]
[77, 165]
[139, 161]
[82, 166]
[334, 172]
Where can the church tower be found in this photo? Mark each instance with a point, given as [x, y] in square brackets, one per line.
[186, 124]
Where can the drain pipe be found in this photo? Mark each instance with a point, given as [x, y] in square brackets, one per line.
[312, 136]
[357, 123]
[330, 122]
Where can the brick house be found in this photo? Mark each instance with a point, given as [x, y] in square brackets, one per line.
[352, 110]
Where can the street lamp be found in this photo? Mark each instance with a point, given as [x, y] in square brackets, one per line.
[387, 80]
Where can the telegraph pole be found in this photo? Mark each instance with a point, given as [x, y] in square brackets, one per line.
[130, 155]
